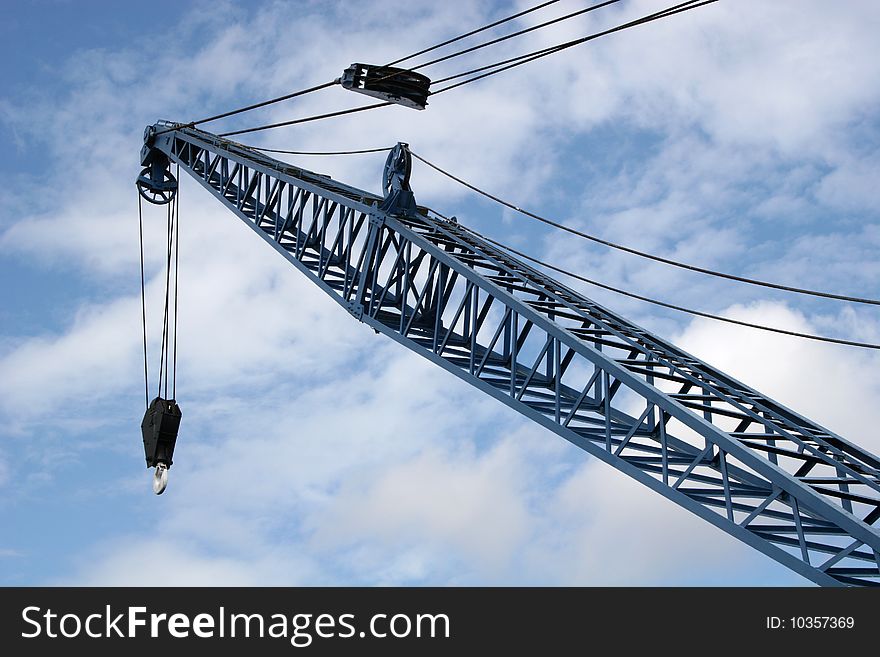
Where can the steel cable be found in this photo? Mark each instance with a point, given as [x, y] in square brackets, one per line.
[644, 254]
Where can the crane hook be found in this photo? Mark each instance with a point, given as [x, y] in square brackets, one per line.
[160, 478]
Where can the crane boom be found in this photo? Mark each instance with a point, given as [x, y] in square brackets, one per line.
[766, 475]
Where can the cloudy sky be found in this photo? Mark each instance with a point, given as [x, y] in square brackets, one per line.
[743, 136]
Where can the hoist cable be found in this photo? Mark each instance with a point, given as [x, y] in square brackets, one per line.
[682, 309]
[162, 342]
[163, 351]
[176, 270]
[544, 52]
[143, 301]
[649, 256]
[167, 360]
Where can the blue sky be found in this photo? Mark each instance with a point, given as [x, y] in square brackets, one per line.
[743, 136]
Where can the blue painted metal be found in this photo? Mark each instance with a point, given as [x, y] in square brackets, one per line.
[761, 472]
[155, 182]
[399, 199]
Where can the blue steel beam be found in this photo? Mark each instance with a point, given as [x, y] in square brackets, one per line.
[761, 472]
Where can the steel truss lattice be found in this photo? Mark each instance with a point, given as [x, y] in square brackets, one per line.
[764, 474]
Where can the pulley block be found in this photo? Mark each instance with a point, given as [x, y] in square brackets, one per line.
[396, 85]
[399, 198]
[155, 183]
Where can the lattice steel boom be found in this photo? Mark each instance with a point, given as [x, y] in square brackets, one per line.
[764, 474]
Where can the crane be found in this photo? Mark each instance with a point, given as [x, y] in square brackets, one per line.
[761, 472]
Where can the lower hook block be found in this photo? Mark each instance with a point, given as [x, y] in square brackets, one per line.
[159, 429]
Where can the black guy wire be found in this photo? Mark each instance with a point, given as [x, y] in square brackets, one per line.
[649, 256]
[357, 152]
[682, 309]
[489, 66]
[472, 32]
[497, 40]
[385, 104]
[318, 117]
[544, 52]
[143, 301]
[331, 83]
[301, 92]
[515, 34]
[524, 58]
[488, 43]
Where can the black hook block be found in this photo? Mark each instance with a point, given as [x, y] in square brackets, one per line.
[159, 428]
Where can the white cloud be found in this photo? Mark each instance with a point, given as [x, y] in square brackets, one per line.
[45, 371]
[156, 562]
[752, 72]
[607, 518]
[472, 503]
[849, 186]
